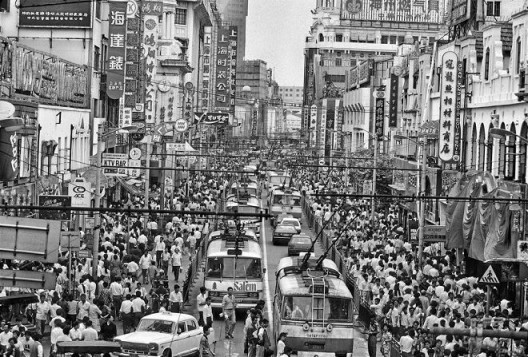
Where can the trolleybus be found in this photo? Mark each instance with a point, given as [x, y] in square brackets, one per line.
[314, 307]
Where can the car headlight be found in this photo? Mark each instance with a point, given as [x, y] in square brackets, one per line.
[153, 348]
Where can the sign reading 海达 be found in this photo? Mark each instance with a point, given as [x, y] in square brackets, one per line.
[115, 83]
[55, 13]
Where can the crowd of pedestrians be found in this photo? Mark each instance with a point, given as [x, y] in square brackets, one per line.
[405, 299]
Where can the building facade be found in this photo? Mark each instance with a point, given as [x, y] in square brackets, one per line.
[234, 12]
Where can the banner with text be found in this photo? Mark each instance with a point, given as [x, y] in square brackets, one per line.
[115, 82]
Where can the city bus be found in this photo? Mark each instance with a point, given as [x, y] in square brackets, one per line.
[284, 201]
[241, 191]
[250, 205]
[234, 260]
[314, 307]
[278, 179]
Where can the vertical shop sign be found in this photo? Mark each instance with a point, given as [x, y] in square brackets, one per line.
[313, 125]
[206, 68]
[458, 131]
[448, 104]
[222, 95]
[379, 113]
[116, 50]
[233, 40]
[322, 127]
[330, 123]
[393, 108]
[254, 122]
[151, 12]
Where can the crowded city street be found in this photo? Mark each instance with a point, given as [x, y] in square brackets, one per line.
[263, 178]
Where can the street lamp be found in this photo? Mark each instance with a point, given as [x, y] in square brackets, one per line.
[97, 200]
[419, 193]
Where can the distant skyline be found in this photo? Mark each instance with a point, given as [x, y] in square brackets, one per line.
[276, 33]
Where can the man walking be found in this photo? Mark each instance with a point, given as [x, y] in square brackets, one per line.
[126, 314]
[201, 302]
[176, 299]
[228, 307]
[176, 260]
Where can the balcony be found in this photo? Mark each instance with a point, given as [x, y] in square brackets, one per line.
[180, 62]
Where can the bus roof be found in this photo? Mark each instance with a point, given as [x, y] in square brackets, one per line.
[242, 185]
[291, 265]
[218, 248]
[296, 285]
[251, 201]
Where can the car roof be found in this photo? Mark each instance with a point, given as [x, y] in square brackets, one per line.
[299, 237]
[169, 316]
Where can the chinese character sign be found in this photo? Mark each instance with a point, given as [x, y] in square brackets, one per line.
[222, 89]
[458, 130]
[393, 109]
[206, 69]
[55, 13]
[233, 39]
[115, 83]
[313, 125]
[150, 40]
[448, 101]
[379, 114]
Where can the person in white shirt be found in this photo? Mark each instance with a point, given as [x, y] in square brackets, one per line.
[43, 310]
[144, 263]
[406, 344]
[160, 247]
[116, 290]
[138, 308]
[89, 333]
[201, 302]
[176, 299]
[83, 307]
[208, 312]
[5, 335]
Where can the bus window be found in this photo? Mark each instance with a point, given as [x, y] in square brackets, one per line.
[300, 308]
[294, 201]
[214, 267]
[245, 268]
[277, 199]
[247, 209]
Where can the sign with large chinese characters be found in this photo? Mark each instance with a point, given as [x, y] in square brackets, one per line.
[151, 11]
[379, 112]
[55, 201]
[408, 11]
[55, 13]
[448, 106]
[222, 89]
[254, 121]
[115, 83]
[233, 39]
[393, 102]
[206, 68]
[313, 125]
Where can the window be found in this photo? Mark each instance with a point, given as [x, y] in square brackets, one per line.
[487, 65]
[493, 8]
[518, 54]
[339, 38]
[321, 37]
[180, 16]
[191, 325]
[385, 39]
[338, 62]
[97, 58]
[98, 9]
[4, 5]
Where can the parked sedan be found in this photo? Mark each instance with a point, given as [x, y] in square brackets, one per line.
[299, 243]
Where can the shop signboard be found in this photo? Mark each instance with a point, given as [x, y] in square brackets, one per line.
[206, 68]
[233, 40]
[55, 13]
[433, 234]
[9, 167]
[222, 89]
[115, 83]
[115, 165]
[364, 72]
[393, 103]
[55, 201]
[379, 113]
[417, 11]
[29, 239]
[212, 118]
[80, 192]
[448, 106]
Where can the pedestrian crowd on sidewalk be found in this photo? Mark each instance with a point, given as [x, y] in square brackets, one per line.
[407, 300]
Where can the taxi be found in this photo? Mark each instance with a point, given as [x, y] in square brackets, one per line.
[164, 334]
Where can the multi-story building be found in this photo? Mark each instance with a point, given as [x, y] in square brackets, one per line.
[291, 94]
[345, 33]
[234, 12]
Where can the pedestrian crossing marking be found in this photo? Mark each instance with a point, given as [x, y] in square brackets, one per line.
[489, 277]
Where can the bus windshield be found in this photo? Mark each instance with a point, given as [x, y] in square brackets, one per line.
[247, 209]
[289, 200]
[300, 308]
[280, 180]
[225, 267]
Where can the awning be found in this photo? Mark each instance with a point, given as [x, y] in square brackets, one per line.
[130, 186]
[398, 187]
[355, 107]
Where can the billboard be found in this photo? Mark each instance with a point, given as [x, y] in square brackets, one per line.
[233, 40]
[151, 11]
[55, 201]
[80, 192]
[394, 97]
[408, 11]
[29, 239]
[206, 68]
[55, 13]
[8, 155]
[115, 83]
[448, 106]
[379, 114]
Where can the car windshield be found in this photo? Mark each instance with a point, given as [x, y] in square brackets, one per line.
[242, 268]
[290, 222]
[152, 325]
[300, 308]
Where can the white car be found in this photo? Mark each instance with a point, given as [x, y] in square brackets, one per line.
[290, 221]
[163, 334]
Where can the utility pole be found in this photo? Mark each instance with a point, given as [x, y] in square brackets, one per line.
[97, 204]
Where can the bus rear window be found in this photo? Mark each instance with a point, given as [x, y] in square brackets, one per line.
[300, 308]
